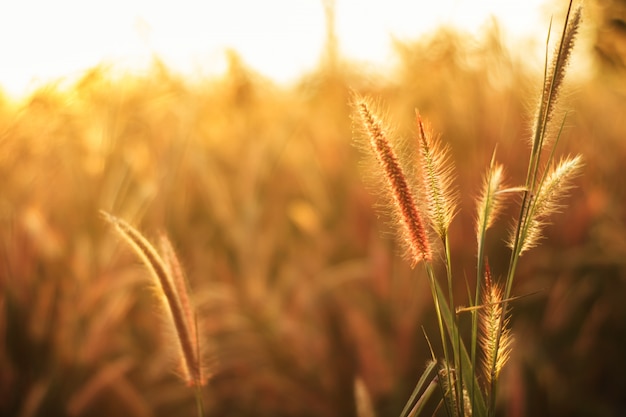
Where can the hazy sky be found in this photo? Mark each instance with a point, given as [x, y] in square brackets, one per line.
[43, 39]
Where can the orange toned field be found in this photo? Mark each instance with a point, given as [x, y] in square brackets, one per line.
[299, 284]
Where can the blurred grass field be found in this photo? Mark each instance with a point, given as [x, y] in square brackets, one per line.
[299, 283]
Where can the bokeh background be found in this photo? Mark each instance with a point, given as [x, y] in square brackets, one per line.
[300, 285]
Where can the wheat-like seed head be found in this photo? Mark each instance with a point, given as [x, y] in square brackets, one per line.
[166, 274]
[448, 382]
[562, 55]
[438, 178]
[490, 317]
[404, 201]
[546, 202]
[491, 199]
[179, 281]
[555, 76]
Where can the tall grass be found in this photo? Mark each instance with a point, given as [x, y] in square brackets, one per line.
[301, 300]
[430, 198]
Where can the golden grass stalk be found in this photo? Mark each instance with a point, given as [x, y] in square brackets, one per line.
[546, 202]
[496, 342]
[541, 192]
[404, 201]
[438, 177]
[489, 205]
[174, 296]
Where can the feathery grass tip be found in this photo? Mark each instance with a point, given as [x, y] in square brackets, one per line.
[554, 77]
[552, 189]
[438, 178]
[404, 201]
[496, 348]
[167, 275]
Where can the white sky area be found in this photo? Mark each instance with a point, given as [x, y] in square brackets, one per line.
[42, 40]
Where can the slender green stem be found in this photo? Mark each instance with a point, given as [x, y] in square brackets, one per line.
[456, 341]
[474, 334]
[419, 405]
[480, 271]
[415, 404]
[437, 300]
[452, 330]
[446, 244]
[438, 303]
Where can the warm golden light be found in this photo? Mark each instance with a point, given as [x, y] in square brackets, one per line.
[44, 40]
[204, 207]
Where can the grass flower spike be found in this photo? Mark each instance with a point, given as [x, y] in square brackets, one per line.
[170, 281]
[490, 202]
[554, 187]
[492, 316]
[554, 77]
[438, 178]
[180, 284]
[404, 201]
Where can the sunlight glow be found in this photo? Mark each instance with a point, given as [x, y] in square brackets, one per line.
[43, 40]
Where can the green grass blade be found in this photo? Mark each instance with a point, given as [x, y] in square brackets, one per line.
[417, 409]
[460, 350]
[414, 401]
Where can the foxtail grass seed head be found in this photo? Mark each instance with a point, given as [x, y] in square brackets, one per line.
[490, 202]
[161, 271]
[448, 382]
[491, 318]
[555, 75]
[179, 282]
[554, 187]
[404, 201]
[438, 178]
[562, 56]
